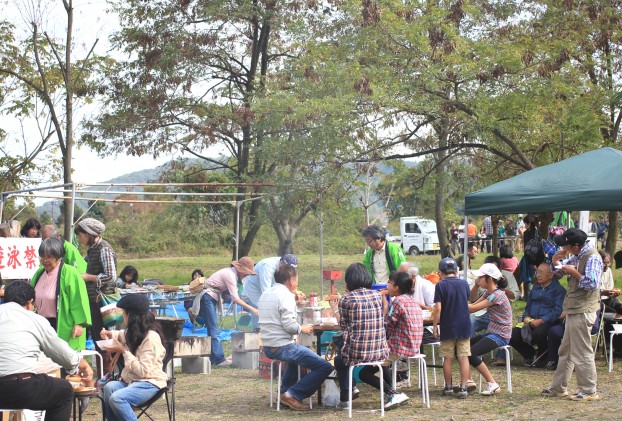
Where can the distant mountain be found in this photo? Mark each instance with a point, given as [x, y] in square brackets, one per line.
[143, 176]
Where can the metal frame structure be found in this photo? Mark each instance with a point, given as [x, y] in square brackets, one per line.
[77, 191]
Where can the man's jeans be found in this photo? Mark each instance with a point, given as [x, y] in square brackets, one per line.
[297, 355]
[210, 315]
[120, 397]
[479, 323]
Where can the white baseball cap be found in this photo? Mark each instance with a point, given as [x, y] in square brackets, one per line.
[489, 269]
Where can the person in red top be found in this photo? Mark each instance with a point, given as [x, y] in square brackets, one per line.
[404, 324]
[471, 230]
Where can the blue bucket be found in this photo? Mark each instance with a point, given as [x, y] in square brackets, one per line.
[378, 287]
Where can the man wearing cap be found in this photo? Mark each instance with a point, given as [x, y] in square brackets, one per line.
[256, 285]
[279, 326]
[584, 269]
[382, 257]
[209, 300]
[101, 273]
[24, 336]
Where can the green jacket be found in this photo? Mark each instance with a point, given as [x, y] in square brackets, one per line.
[73, 305]
[396, 254]
[74, 258]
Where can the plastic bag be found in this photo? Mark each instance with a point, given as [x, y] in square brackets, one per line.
[331, 393]
[110, 313]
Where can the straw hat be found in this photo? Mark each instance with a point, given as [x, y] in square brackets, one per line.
[244, 266]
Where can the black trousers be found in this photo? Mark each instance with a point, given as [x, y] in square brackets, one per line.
[368, 375]
[539, 338]
[40, 392]
[480, 345]
[97, 323]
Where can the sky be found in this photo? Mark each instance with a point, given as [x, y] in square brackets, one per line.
[92, 21]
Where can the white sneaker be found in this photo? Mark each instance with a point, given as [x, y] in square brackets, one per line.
[491, 389]
[224, 363]
[395, 400]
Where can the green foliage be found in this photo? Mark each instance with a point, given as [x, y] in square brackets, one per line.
[45, 219]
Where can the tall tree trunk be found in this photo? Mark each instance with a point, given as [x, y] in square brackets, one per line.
[67, 177]
[612, 234]
[439, 193]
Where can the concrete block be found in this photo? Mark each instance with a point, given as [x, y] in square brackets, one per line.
[193, 346]
[244, 341]
[195, 365]
[249, 360]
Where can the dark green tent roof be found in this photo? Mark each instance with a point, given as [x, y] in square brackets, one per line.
[590, 181]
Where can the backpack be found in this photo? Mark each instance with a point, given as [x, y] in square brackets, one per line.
[533, 249]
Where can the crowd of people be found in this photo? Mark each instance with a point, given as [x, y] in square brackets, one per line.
[471, 316]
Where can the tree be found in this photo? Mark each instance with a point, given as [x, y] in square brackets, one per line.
[49, 79]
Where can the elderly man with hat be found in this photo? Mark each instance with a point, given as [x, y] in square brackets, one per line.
[101, 273]
[584, 268]
[209, 300]
[256, 285]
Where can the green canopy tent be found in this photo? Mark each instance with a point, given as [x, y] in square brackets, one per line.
[590, 181]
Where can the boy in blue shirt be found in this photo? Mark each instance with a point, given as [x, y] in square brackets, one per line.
[451, 308]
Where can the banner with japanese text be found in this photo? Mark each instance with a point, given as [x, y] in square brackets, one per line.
[19, 257]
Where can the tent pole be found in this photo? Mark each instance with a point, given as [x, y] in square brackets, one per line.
[73, 208]
[1, 207]
[321, 249]
[465, 256]
[237, 229]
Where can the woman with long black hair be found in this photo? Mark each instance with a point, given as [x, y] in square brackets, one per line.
[143, 353]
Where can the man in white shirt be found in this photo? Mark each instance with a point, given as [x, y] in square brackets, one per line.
[279, 326]
[24, 336]
[423, 290]
[255, 285]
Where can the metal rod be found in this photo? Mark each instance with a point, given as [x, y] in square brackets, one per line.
[189, 202]
[181, 184]
[11, 193]
[143, 193]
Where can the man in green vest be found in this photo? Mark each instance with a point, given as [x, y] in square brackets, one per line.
[584, 269]
[382, 256]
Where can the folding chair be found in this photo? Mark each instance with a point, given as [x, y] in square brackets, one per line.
[600, 332]
[170, 386]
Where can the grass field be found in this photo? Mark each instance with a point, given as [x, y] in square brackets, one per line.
[231, 393]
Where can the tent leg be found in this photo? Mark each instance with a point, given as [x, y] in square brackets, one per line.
[465, 263]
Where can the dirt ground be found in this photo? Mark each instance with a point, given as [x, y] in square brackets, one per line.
[230, 393]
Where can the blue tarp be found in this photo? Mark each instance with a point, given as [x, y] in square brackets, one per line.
[225, 334]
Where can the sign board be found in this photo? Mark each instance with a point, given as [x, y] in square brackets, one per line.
[19, 257]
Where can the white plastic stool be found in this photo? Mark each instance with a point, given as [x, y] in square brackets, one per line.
[98, 357]
[508, 368]
[351, 374]
[617, 330]
[278, 385]
[432, 345]
[423, 376]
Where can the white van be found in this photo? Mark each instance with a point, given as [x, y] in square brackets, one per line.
[418, 235]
